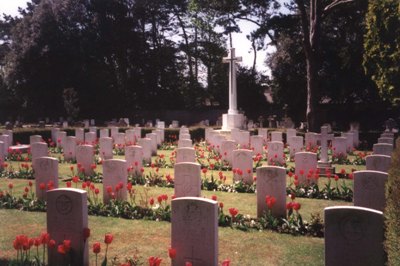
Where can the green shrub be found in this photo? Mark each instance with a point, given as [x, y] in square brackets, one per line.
[392, 211]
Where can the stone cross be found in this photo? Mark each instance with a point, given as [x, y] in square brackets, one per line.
[231, 59]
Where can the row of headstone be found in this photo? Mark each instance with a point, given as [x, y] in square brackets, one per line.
[355, 235]
[194, 228]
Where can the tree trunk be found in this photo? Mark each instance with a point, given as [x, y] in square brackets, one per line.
[312, 85]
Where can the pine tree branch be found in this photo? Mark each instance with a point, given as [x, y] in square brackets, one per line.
[336, 3]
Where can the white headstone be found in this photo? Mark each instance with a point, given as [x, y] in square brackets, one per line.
[67, 218]
[115, 174]
[61, 136]
[90, 138]
[264, 133]
[227, 148]
[80, 135]
[70, 149]
[153, 137]
[354, 236]
[85, 157]
[296, 145]
[242, 164]
[187, 180]
[38, 149]
[382, 148]
[45, 173]
[54, 132]
[185, 155]
[194, 231]
[185, 143]
[256, 143]
[275, 153]
[339, 147]
[104, 133]
[304, 163]
[35, 138]
[276, 136]
[145, 143]
[369, 189]
[271, 181]
[134, 158]
[106, 148]
[378, 162]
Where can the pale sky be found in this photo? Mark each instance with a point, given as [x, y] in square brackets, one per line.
[240, 42]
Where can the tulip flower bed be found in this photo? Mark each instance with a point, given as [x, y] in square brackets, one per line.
[149, 203]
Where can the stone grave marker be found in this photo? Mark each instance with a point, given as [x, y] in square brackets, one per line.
[159, 137]
[271, 180]
[38, 149]
[184, 136]
[185, 143]
[115, 173]
[153, 138]
[324, 164]
[382, 148]
[264, 133]
[45, 172]
[349, 141]
[304, 163]
[130, 137]
[145, 143]
[218, 139]
[378, 162]
[185, 155]
[85, 157]
[243, 139]
[369, 189]
[5, 140]
[93, 129]
[10, 134]
[227, 148]
[119, 139]
[339, 147]
[65, 124]
[61, 136]
[161, 133]
[54, 134]
[70, 148]
[90, 138]
[134, 158]
[104, 133]
[386, 140]
[114, 131]
[2, 155]
[296, 145]
[138, 133]
[310, 139]
[275, 152]
[256, 144]
[290, 132]
[35, 138]
[106, 148]
[174, 124]
[160, 124]
[194, 231]
[184, 130]
[235, 134]
[187, 179]
[80, 135]
[276, 136]
[354, 236]
[67, 218]
[86, 123]
[243, 161]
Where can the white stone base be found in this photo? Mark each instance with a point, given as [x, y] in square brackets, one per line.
[230, 121]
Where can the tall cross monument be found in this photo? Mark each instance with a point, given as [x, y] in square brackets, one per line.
[232, 119]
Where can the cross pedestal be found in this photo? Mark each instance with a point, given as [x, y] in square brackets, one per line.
[232, 119]
[324, 165]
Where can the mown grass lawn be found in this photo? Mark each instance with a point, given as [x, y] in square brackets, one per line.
[151, 238]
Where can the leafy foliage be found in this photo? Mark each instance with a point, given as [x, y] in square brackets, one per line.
[382, 43]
